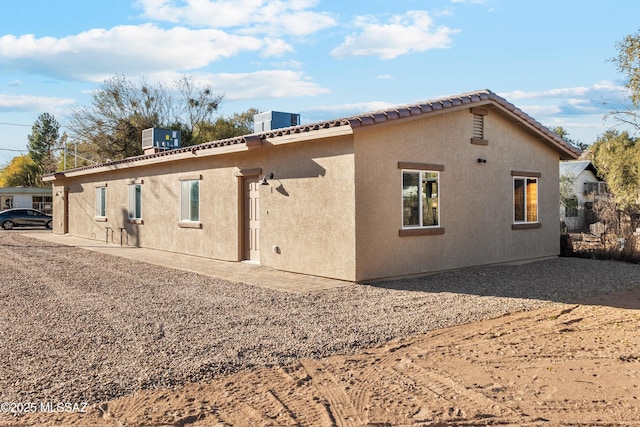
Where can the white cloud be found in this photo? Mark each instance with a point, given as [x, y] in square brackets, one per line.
[384, 77]
[600, 89]
[329, 112]
[581, 110]
[264, 84]
[272, 17]
[96, 54]
[412, 32]
[30, 103]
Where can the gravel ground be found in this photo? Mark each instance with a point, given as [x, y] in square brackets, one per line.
[80, 326]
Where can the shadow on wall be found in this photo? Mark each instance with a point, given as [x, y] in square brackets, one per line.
[129, 230]
[564, 280]
[307, 168]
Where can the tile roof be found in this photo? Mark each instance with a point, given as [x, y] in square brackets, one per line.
[367, 119]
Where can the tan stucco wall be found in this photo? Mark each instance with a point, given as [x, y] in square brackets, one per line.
[307, 210]
[334, 206]
[475, 198]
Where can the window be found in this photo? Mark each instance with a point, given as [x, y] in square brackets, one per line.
[571, 207]
[595, 187]
[420, 199]
[135, 201]
[101, 202]
[6, 202]
[190, 200]
[41, 203]
[525, 199]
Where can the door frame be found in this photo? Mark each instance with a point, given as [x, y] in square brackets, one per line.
[242, 175]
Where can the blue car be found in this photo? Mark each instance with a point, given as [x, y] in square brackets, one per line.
[24, 218]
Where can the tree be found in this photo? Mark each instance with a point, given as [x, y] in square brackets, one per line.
[562, 133]
[43, 141]
[120, 110]
[21, 172]
[628, 63]
[567, 196]
[237, 125]
[617, 158]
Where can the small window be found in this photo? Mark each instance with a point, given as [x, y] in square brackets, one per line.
[135, 201]
[595, 187]
[525, 200]
[420, 199]
[101, 202]
[6, 202]
[190, 200]
[571, 208]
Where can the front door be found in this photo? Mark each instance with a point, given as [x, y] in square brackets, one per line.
[251, 215]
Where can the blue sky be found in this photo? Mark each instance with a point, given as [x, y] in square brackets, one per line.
[322, 59]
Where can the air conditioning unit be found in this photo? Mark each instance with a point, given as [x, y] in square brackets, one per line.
[270, 120]
[160, 139]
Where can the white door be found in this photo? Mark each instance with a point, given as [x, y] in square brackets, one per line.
[251, 214]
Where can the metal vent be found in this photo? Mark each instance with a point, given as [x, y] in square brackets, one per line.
[478, 126]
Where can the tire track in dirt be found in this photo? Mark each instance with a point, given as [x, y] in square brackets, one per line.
[338, 404]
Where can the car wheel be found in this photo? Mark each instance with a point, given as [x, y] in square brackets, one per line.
[7, 225]
[48, 225]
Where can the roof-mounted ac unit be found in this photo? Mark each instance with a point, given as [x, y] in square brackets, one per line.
[160, 139]
[270, 120]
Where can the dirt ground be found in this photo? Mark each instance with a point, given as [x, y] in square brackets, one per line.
[560, 365]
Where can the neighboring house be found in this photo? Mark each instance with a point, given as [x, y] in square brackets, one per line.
[26, 197]
[578, 214]
[456, 182]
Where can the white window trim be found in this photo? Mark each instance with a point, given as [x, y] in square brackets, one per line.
[513, 204]
[135, 219]
[187, 222]
[99, 205]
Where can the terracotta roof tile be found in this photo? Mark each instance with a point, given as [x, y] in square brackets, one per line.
[369, 119]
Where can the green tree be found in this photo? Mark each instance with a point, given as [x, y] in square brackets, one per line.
[43, 141]
[628, 63]
[567, 196]
[617, 157]
[237, 125]
[21, 172]
[562, 133]
[121, 109]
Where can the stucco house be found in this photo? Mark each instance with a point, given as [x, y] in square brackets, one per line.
[586, 188]
[26, 197]
[462, 181]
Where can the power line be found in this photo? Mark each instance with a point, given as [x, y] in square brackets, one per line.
[12, 149]
[14, 124]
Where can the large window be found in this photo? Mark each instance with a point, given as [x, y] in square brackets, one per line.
[420, 199]
[101, 202]
[190, 200]
[525, 200]
[135, 201]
